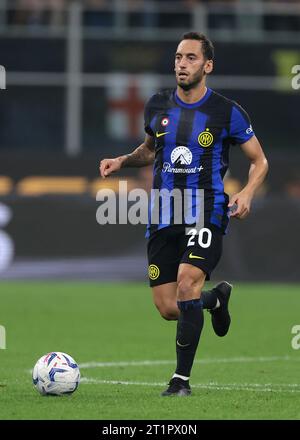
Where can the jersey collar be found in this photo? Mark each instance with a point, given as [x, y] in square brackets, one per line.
[195, 104]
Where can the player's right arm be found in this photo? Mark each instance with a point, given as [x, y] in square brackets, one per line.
[140, 157]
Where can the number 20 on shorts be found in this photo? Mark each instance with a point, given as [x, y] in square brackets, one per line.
[204, 237]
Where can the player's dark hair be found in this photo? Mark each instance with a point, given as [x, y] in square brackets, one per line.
[207, 46]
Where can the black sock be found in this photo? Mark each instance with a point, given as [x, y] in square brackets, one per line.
[189, 327]
[209, 299]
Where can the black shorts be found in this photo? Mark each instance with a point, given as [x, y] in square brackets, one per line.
[171, 246]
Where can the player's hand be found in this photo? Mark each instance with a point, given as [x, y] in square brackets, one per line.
[108, 166]
[239, 204]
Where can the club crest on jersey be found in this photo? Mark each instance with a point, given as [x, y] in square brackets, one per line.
[164, 122]
[205, 138]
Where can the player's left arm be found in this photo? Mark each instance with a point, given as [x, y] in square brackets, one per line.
[257, 173]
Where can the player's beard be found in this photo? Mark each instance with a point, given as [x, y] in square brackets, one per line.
[193, 82]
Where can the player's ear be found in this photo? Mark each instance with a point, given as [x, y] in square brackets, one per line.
[209, 65]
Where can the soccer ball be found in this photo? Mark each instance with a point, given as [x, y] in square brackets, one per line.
[56, 373]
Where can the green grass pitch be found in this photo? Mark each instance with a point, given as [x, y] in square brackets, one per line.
[126, 353]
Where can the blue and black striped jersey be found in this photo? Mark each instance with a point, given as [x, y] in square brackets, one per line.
[192, 144]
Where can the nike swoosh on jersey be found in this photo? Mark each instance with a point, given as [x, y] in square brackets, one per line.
[196, 256]
[162, 134]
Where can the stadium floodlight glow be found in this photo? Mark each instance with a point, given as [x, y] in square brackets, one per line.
[2, 78]
[296, 78]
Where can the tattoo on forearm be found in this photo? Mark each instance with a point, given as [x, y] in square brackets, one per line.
[140, 157]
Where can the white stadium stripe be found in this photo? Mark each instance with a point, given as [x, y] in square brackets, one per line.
[252, 387]
[95, 364]
[274, 388]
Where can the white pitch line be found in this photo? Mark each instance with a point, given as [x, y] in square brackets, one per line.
[95, 364]
[209, 386]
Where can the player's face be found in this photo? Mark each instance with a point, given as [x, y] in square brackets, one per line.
[190, 64]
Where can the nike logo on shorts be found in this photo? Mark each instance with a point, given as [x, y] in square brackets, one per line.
[196, 256]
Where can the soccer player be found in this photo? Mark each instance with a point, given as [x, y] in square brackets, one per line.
[188, 134]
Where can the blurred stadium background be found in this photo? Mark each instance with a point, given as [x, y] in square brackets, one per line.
[78, 74]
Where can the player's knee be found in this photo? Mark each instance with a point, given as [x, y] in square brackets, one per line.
[186, 287]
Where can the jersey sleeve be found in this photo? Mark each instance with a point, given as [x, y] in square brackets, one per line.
[149, 116]
[240, 125]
